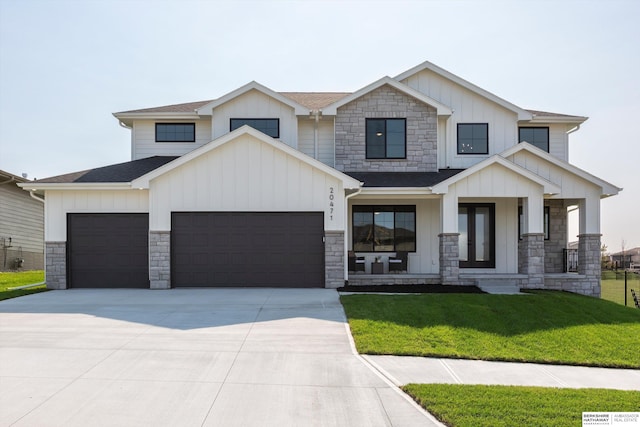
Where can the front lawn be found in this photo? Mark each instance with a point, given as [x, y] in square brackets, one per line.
[612, 286]
[544, 327]
[14, 280]
[496, 406]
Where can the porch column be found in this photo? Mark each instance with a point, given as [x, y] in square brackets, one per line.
[589, 245]
[160, 259]
[449, 258]
[532, 245]
[56, 265]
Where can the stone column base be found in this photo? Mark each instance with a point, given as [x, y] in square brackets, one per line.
[532, 263]
[334, 259]
[160, 259]
[56, 265]
[449, 258]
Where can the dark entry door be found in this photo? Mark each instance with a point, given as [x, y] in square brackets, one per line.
[108, 250]
[247, 249]
[476, 224]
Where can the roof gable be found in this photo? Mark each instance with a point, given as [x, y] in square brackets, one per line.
[208, 108]
[608, 189]
[442, 110]
[143, 181]
[522, 113]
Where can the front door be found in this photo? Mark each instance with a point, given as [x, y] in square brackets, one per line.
[476, 224]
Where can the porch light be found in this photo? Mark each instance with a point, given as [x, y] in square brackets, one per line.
[378, 133]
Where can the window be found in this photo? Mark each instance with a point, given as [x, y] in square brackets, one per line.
[535, 136]
[269, 127]
[384, 228]
[386, 139]
[473, 138]
[546, 222]
[175, 132]
[477, 242]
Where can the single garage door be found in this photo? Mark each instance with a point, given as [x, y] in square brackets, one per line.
[270, 249]
[108, 250]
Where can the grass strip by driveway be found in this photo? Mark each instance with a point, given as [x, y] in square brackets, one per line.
[544, 327]
[14, 280]
[497, 406]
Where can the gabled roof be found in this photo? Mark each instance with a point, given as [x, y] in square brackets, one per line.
[315, 100]
[208, 108]
[143, 181]
[548, 187]
[608, 189]
[8, 177]
[188, 107]
[443, 110]
[118, 173]
[426, 65]
[547, 117]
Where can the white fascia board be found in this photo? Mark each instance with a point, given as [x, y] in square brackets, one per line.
[143, 181]
[35, 186]
[572, 120]
[522, 113]
[208, 108]
[394, 191]
[548, 186]
[442, 110]
[128, 118]
[608, 189]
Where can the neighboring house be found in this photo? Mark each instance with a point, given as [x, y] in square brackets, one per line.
[265, 188]
[21, 226]
[626, 259]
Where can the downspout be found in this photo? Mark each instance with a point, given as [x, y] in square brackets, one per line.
[33, 196]
[346, 229]
[125, 126]
[574, 129]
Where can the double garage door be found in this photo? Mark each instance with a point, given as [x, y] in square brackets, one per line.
[208, 249]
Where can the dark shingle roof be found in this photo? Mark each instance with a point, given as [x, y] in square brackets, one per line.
[315, 100]
[403, 179]
[121, 172]
[189, 107]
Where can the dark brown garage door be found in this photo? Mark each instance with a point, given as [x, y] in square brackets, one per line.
[271, 249]
[108, 250]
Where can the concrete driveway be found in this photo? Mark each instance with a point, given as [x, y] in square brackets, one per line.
[189, 357]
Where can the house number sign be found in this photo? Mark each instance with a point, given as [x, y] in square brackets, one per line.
[332, 197]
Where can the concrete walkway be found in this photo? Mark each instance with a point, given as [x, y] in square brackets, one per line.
[404, 370]
[189, 357]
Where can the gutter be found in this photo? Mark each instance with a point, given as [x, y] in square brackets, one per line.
[33, 196]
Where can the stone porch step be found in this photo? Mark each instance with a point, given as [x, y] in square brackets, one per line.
[499, 286]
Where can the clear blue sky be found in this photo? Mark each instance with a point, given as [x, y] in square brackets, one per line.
[65, 66]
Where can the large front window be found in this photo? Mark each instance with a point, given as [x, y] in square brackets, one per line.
[536, 136]
[473, 138]
[269, 127]
[384, 228]
[476, 225]
[386, 139]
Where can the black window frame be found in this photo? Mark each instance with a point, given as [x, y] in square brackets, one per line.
[163, 124]
[546, 222]
[462, 152]
[386, 155]
[396, 209]
[471, 231]
[257, 119]
[520, 139]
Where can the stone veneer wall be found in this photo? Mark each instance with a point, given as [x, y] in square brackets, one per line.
[334, 259]
[449, 258]
[160, 259]
[532, 251]
[554, 247]
[56, 265]
[386, 102]
[589, 264]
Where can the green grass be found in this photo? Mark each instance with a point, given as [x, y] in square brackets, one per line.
[545, 327]
[613, 286]
[14, 280]
[497, 406]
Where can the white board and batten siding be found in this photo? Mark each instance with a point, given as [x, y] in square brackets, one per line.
[326, 140]
[468, 107]
[247, 175]
[60, 203]
[256, 105]
[144, 143]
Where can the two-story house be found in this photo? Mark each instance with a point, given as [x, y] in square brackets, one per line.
[265, 188]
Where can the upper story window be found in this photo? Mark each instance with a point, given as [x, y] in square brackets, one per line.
[269, 127]
[538, 136]
[175, 132]
[384, 228]
[386, 139]
[473, 138]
